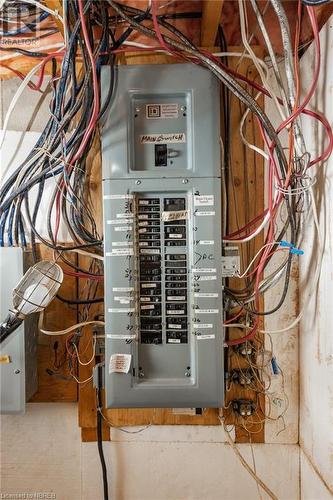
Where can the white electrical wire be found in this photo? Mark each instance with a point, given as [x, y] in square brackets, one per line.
[82, 381]
[259, 228]
[246, 465]
[264, 78]
[312, 289]
[54, 13]
[66, 330]
[92, 357]
[256, 256]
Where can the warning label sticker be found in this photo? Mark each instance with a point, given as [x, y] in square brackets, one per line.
[120, 363]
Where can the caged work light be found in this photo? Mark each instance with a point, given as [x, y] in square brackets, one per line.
[33, 294]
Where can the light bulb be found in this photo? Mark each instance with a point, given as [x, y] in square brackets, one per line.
[34, 297]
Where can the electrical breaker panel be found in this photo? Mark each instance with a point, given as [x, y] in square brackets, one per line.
[162, 232]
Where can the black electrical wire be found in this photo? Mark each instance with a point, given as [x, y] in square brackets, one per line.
[23, 51]
[99, 432]
[313, 3]
[96, 300]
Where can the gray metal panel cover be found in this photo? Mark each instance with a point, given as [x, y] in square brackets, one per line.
[202, 93]
[12, 384]
[166, 382]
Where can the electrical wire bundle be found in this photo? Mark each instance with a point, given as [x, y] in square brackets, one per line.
[94, 34]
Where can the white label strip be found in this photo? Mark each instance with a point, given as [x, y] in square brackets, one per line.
[124, 297]
[203, 270]
[174, 313]
[206, 311]
[174, 327]
[122, 243]
[123, 228]
[163, 138]
[121, 310]
[204, 200]
[207, 278]
[201, 213]
[175, 236]
[141, 224]
[125, 216]
[119, 221]
[206, 242]
[176, 215]
[173, 341]
[143, 230]
[150, 251]
[150, 306]
[206, 336]
[144, 299]
[123, 289]
[204, 326]
[118, 197]
[120, 363]
[148, 285]
[120, 336]
[206, 295]
[120, 252]
[177, 298]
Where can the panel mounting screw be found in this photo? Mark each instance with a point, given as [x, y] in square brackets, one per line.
[187, 373]
[138, 182]
[183, 108]
[17, 371]
[137, 110]
[141, 374]
[185, 181]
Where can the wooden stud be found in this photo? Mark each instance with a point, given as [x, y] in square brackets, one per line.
[211, 16]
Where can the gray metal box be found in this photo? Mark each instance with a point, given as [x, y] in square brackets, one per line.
[18, 378]
[162, 231]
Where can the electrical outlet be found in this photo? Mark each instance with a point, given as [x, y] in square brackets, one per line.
[244, 377]
[245, 349]
[244, 407]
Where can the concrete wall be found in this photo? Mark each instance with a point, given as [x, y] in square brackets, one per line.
[316, 339]
[42, 452]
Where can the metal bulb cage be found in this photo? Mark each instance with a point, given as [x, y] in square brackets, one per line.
[37, 288]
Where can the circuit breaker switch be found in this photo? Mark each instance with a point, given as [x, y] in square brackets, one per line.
[161, 155]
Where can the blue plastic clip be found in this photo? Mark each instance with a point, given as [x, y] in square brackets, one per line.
[275, 366]
[286, 244]
[297, 251]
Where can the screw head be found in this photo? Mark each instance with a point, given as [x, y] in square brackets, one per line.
[17, 371]
[183, 108]
[185, 181]
[137, 110]
[187, 373]
[138, 182]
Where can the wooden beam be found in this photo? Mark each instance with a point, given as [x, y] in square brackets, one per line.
[211, 15]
